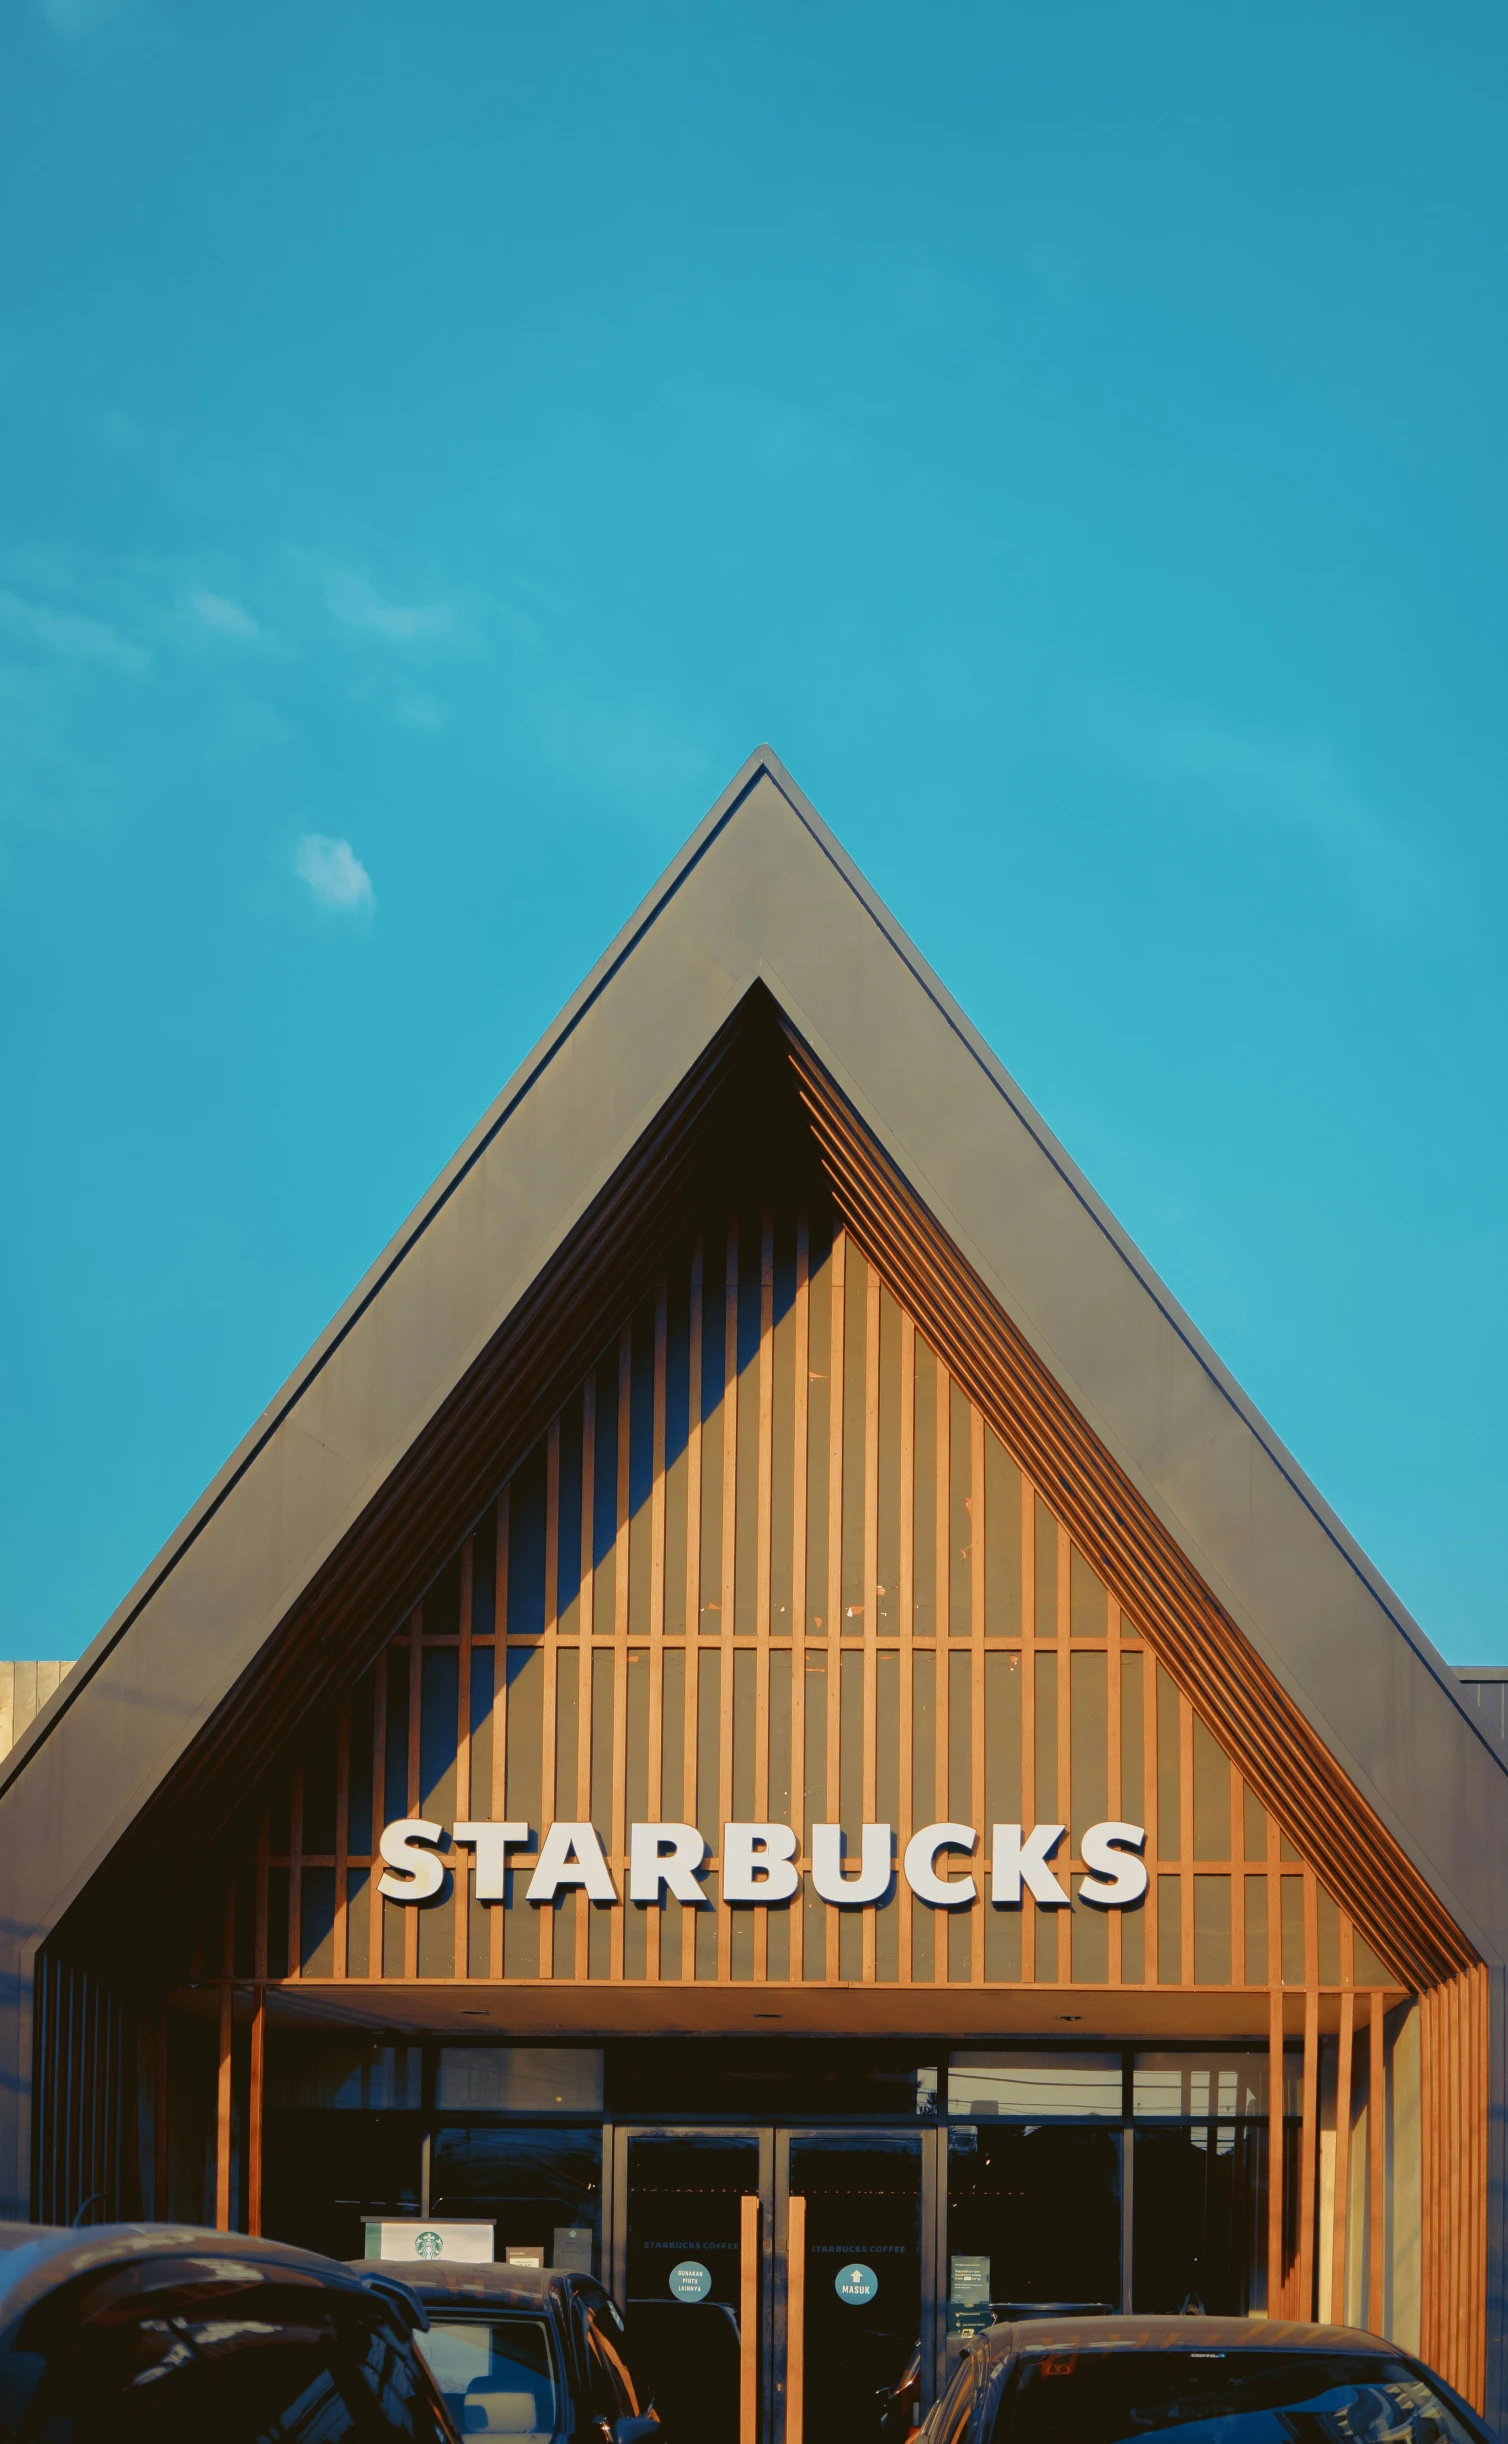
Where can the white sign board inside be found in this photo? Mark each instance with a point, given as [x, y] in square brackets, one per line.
[450, 2243]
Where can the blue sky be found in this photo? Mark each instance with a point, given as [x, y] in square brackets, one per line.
[436, 444]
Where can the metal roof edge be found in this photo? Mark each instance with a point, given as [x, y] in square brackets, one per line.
[410, 1230]
[1131, 1256]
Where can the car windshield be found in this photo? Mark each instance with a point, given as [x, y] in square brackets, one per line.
[496, 2374]
[1220, 2397]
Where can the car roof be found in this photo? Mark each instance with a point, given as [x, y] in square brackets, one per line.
[36, 2258]
[1178, 2334]
[499, 2285]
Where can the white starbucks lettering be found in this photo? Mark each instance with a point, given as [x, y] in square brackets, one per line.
[760, 1864]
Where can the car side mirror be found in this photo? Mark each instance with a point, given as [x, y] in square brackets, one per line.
[643, 2430]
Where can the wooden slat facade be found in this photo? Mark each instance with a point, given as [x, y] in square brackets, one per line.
[772, 1557]
[1020, 1666]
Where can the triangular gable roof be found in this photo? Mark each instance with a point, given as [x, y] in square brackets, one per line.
[762, 894]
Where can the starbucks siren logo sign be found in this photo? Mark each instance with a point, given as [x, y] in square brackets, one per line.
[429, 2244]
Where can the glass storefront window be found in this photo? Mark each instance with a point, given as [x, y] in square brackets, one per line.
[518, 2079]
[1034, 2222]
[1035, 2086]
[1202, 2087]
[345, 2074]
[542, 2188]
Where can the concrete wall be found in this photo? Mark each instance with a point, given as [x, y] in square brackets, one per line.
[24, 1691]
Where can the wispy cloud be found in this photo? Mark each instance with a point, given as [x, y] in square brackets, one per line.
[358, 605]
[625, 747]
[1303, 786]
[1215, 773]
[70, 633]
[75, 17]
[227, 618]
[334, 873]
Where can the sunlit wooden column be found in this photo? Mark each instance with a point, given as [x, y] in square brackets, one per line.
[460, 1856]
[1308, 2149]
[1237, 1805]
[224, 2091]
[296, 1873]
[764, 1558]
[160, 2120]
[617, 1827]
[573, 1954]
[800, 1461]
[1275, 2300]
[254, 2117]
[749, 2322]
[1152, 1819]
[1376, 2170]
[415, 1708]
[1185, 1840]
[692, 1674]
[1339, 2289]
[1028, 1709]
[871, 1666]
[499, 1807]
[1114, 1765]
[906, 1563]
[655, 1776]
[795, 2321]
[728, 1592]
[342, 1837]
[979, 1529]
[942, 1687]
[1063, 1808]
[836, 1389]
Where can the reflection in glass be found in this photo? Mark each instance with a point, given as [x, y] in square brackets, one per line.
[343, 2073]
[1235, 2397]
[519, 2079]
[1199, 2219]
[1200, 2086]
[534, 2182]
[1035, 2085]
[1042, 2208]
[496, 2375]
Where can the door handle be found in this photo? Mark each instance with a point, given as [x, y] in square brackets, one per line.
[748, 2322]
[795, 2319]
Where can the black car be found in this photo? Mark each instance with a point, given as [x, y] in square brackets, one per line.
[1107, 2380]
[130, 2332]
[523, 2352]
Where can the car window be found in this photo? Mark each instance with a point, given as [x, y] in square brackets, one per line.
[256, 2363]
[496, 2375]
[613, 2394]
[1222, 2397]
[956, 2406]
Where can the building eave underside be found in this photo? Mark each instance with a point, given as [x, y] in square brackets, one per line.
[763, 891]
[737, 1106]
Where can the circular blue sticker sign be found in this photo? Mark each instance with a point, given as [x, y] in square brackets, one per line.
[856, 2284]
[689, 2280]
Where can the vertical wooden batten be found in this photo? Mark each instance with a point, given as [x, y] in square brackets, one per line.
[255, 2111]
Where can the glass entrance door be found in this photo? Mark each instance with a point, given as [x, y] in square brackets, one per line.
[778, 2283]
[857, 2272]
[691, 2210]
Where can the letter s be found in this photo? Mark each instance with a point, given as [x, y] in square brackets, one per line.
[1116, 1880]
[423, 1872]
